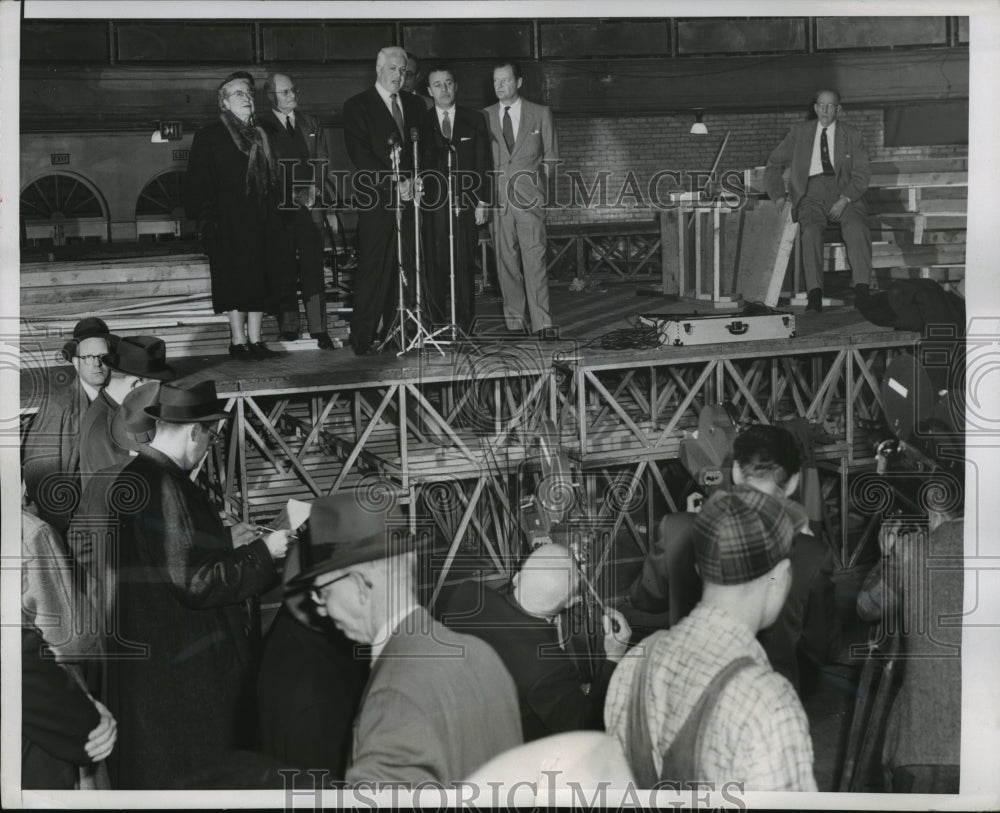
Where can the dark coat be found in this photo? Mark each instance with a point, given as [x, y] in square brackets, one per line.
[56, 719]
[97, 449]
[368, 125]
[308, 690]
[243, 236]
[180, 588]
[52, 447]
[549, 686]
[471, 182]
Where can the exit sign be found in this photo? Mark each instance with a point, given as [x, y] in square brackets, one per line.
[181, 155]
[59, 158]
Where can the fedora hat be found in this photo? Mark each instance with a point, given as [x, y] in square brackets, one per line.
[89, 328]
[144, 356]
[341, 532]
[741, 534]
[131, 427]
[187, 402]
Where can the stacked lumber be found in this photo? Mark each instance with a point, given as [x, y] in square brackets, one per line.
[166, 296]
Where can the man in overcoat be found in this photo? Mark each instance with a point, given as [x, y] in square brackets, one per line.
[181, 583]
[437, 704]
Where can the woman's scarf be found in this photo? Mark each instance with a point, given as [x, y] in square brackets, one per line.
[252, 141]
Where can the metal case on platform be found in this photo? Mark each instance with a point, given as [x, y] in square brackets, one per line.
[676, 330]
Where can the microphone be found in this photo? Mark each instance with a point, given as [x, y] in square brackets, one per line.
[393, 139]
[414, 134]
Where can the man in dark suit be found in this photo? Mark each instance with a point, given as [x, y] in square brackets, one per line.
[524, 142]
[438, 705]
[297, 141]
[828, 177]
[372, 119]
[522, 622]
[461, 132]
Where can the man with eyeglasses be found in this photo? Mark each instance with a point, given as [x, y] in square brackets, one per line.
[438, 704]
[412, 80]
[133, 362]
[182, 581]
[828, 177]
[52, 446]
[297, 142]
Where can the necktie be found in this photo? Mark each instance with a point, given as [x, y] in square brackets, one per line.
[397, 114]
[508, 130]
[289, 125]
[446, 126]
[824, 154]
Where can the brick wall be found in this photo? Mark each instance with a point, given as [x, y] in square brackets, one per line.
[637, 148]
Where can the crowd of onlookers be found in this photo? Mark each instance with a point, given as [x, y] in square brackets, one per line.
[139, 670]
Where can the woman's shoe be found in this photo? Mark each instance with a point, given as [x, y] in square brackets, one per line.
[260, 351]
[242, 352]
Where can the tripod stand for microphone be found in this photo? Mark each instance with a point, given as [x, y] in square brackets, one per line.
[453, 212]
[403, 313]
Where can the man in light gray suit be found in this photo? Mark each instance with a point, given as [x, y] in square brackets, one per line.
[523, 138]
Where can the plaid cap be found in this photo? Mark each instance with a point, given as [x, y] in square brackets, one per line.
[742, 534]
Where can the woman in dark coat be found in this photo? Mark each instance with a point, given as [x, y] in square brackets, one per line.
[230, 191]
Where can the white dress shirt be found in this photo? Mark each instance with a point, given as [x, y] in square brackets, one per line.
[387, 98]
[284, 118]
[451, 118]
[816, 164]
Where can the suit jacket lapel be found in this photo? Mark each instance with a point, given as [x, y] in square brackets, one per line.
[523, 126]
[496, 126]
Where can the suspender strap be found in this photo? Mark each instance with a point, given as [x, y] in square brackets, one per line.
[682, 761]
[638, 746]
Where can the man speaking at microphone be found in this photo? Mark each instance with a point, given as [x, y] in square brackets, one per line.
[454, 140]
[374, 121]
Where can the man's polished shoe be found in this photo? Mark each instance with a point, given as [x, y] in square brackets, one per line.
[362, 349]
[288, 335]
[323, 340]
[814, 300]
[261, 351]
[861, 292]
[241, 352]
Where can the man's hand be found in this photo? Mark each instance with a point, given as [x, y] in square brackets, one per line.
[482, 214]
[780, 202]
[838, 208]
[277, 543]
[616, 634]
[102, 739]
[405, 189]
[243, 533]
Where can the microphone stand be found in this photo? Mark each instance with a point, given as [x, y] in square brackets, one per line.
[453, 213]
[400, 326]
[422, 336]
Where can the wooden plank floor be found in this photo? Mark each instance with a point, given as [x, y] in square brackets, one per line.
[582, 317]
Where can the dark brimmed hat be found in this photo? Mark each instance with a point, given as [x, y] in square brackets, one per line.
[185, 402]
[144, 356]
[341, 532]
[237, 75]
[742, 534]
[131, 427]
[88, 328]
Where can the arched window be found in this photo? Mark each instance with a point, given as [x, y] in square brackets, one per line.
[62, 208]
[159, 211]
